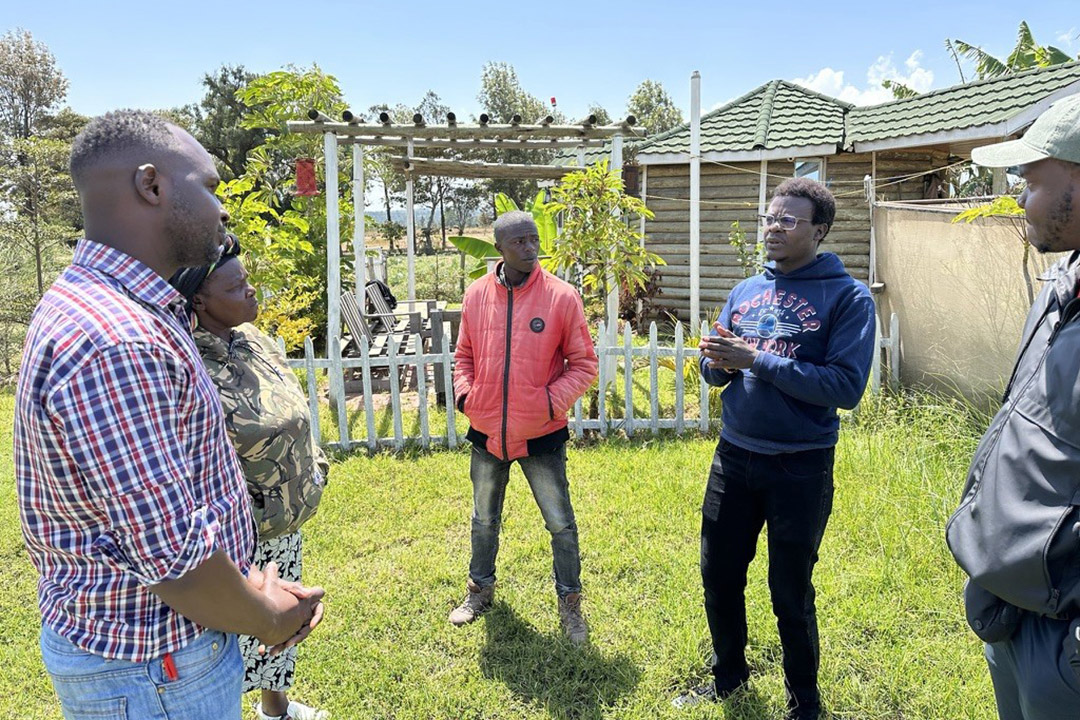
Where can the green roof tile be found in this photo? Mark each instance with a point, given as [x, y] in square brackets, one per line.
[781, 114]
[984, 102]
[778, 114]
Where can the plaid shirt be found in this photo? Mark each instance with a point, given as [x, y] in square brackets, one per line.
[125, 474]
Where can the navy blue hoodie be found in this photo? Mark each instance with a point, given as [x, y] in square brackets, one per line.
[814, 329]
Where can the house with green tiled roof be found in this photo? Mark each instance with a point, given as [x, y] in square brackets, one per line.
[780, 130]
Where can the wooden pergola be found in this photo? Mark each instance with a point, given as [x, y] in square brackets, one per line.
[352, 130]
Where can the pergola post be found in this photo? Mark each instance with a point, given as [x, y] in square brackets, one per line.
[613, 289]
[333, 238]
[410, 229]
[359, 216]
[695, 199]
[333, 280]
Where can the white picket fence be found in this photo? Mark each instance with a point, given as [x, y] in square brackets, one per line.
[622, 355]
[612, 356]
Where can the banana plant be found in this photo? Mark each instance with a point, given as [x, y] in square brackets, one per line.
[483, 250]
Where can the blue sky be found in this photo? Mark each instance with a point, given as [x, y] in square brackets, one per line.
[152, 55]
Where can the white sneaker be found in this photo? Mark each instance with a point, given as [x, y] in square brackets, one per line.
[297, 711]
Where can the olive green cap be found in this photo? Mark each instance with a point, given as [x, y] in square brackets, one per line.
[1055, 134]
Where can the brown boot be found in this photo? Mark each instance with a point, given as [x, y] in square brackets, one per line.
[573, 622]
[477, 601]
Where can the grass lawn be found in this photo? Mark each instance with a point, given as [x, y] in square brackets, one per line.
[390, 544]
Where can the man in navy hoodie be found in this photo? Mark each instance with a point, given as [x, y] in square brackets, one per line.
[791, 346]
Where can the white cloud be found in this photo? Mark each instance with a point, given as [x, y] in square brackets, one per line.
[1066, 39]
[831, 82]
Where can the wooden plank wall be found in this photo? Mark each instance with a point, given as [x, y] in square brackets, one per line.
[729, 193]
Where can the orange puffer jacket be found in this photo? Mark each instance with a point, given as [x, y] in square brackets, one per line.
[524, 356]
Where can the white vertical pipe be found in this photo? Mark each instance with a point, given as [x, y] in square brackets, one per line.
[644, 169]
[644, 198]
[871, 199]
[411, 228]
[695, 198]
[613, 288]
[333, 239]
[359, 216]
[763, 188]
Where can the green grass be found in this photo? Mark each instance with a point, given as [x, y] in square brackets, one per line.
[390, 544]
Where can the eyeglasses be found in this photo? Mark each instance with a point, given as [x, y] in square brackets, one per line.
[786, 222]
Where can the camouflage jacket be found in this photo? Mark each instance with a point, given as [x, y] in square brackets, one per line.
[269, 423]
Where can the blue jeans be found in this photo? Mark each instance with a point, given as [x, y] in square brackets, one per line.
[546, 474]
[790, 494]
[91, 687]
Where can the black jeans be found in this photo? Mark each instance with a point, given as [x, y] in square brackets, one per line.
[790, 493]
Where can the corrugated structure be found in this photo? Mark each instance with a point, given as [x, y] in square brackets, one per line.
[905, 146]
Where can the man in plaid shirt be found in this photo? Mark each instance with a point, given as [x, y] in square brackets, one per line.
[132, 501]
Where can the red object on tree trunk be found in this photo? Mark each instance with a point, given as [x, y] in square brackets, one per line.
[305, 177]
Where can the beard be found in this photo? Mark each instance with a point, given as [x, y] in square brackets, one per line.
[193, 244]
[1051, 237]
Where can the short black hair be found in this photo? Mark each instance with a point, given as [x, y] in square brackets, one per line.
[815, 192]
[512, 224]
[117, 132]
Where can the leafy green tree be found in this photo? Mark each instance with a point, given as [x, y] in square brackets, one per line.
[431, 190]
[750, 255]
[501, 97]
[39, 212]
[217, 121]
[381, 166]
[42, 191]
[899, 89]
[36, 232]
[595, 234]
[62, 125]
[653, 107]
[273, 223]
[30, 83]
[465, 199]
[603, 117]
[1025, 55]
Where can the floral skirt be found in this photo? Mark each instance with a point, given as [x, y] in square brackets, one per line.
[263, 672]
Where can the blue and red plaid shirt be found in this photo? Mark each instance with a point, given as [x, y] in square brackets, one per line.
[126, 477]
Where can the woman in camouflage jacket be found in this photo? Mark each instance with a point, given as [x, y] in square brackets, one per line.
[269, 423]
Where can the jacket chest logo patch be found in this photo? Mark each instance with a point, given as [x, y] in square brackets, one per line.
[536, 324]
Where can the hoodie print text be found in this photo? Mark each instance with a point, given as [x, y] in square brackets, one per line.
[769, 319]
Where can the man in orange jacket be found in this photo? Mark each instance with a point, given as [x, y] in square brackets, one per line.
[524, 356]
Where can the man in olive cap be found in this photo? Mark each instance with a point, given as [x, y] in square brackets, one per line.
[1017, 531]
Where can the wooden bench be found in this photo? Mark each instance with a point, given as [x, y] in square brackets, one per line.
[401, 339]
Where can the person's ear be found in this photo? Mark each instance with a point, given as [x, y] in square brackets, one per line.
[820, 231]
[148, 184]
[197, 302]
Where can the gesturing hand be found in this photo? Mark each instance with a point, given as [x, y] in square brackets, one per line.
[726, 350]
